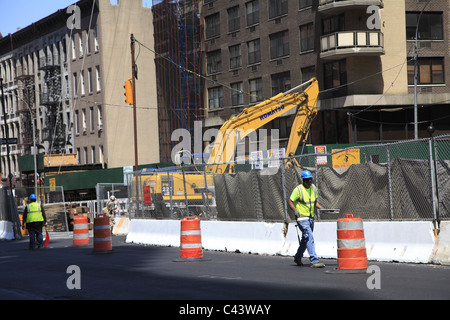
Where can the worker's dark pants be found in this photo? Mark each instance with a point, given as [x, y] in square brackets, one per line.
[35, 231]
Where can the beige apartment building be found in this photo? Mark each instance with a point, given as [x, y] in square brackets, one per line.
[361, 52]
[67, 71]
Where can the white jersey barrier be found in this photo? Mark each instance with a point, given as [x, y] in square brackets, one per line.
[408, 241]
[441, 252]
[6, 230]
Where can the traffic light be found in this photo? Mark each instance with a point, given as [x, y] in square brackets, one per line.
[128, 86]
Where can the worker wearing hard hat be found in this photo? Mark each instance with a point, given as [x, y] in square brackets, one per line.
[109, 209]
[302, 201]
[34, 218]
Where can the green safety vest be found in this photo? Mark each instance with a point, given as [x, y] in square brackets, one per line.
[305, 200]
[34, 213]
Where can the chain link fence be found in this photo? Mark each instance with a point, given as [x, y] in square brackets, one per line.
[407, 180]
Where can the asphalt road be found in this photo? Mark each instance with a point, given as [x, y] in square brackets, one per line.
[137, 272]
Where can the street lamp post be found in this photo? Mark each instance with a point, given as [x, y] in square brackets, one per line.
[416, 129]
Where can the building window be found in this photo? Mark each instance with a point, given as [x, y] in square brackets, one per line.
[84, 120]
[99, 117]
[335, 74]
[80, 39]
[96, 43]
[214, 64]
[333, 24]
[100, 154]
[281, 82]
[88, 42]
[429, 71]
[254, 52]
[308, 73]
[277, 8]
[79, 155]
[255, 88]
[252, 11]
[212, 26]
[82, 82]
[430, 26]
[77, 122]
[74, 54]
[215, 98]
[75, 84]
[97, 76]
[90, 80]
[86, 159]
[279, 44]
[92, 119]
[307, 37]
[237, 98]
[235, 56]
[234, 22]
[93, 154]
[302, 4]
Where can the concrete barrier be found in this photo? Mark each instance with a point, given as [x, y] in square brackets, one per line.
[121, 226]
[402, 241]
[6, 230]
[441, 251]
[385, 241]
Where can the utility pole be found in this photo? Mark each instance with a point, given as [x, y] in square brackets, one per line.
[416, 61]
[133, 73]
[133, 82]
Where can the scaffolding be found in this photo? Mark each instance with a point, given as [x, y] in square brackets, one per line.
[178, 38]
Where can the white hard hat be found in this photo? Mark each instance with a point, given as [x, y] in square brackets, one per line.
[112, 198]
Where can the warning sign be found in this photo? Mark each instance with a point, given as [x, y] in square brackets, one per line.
[52, 184]
[147, 195]
[345, 158]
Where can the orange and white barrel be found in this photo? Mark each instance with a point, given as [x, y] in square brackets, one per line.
[191, 239]
[80, 231]
[351, 243]
[102, 234]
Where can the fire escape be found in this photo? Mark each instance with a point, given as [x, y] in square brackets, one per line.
[27, 109]
[54, 129]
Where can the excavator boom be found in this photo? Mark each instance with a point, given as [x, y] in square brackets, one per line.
[254, 117]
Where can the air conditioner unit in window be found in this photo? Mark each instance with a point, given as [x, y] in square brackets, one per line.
[100, 127]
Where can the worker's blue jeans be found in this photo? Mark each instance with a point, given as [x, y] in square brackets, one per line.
[307, 241]
[35, 231]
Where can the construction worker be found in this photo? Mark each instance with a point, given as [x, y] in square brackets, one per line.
[34, 218]
[109, 209]
[302, 201]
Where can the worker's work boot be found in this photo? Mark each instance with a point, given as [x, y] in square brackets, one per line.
[317, 265]
[298, 262]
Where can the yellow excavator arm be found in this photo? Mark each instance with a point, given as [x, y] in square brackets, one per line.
[254, 117]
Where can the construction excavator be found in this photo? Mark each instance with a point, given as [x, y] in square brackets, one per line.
[176, 190]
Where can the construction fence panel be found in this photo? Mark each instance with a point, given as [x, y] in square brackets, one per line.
[396, 181]
[442, 166]
[105, 190]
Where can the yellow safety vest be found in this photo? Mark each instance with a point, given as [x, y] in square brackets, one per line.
[306, 200]
[34, 213]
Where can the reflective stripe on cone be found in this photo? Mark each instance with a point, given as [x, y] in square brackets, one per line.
[80, 231]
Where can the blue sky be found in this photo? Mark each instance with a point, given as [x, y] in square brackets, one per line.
[21, 13]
